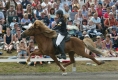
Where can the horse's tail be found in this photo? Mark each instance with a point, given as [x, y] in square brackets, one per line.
[91, 46]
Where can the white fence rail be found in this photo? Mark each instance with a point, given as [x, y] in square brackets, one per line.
[61, 60]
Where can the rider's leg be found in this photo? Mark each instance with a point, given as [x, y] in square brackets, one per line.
[60, 48]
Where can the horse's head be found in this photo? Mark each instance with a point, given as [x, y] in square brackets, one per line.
[39, 28]
[33, 30]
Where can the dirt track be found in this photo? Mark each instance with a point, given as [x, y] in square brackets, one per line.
[58, 76]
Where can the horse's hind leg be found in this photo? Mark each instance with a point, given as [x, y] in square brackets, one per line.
[82, 53]
[72, 60]
[57, 62]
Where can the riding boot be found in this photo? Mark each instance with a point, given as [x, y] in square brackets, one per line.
[61, 50]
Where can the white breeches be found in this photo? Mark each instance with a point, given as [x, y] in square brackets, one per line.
[59, 39]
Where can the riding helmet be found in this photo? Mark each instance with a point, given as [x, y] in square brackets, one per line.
[59, 12]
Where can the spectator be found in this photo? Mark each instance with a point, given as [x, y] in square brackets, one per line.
[1, 6]
[25, 3]
[69, 4]
[52, 14]
[35, 3]
[45, 18]
[13, 31]
[75, 9]
[25, 20]
[19, 11]
[67, 11]
[114, 37]
[59, 5]
[22, 49]
[84, 12]
[92, 29]
[8, 39]
[114, 10]
[11, 13]
[110, 22]
[107, 44]
[37, 12]
[82, 2]
[99, 43]
[96, 20]
[106, 3]
[99, 10]
[78, 18]
[75, 3]
[2, 18]
[91, 11]
[11, 3]
[112, 2]
[12, 23]
[31, 47]
[29, 12]
[72, 29]
[45, 4]
[54, 23]
[84, 25]
[18, 36]
[106, 15]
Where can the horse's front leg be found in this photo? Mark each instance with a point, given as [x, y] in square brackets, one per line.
[36, 52]
[57, 62]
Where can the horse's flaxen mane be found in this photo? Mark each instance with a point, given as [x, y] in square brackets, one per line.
[44, 29]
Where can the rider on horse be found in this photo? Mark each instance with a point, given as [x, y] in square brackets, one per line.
[61, 26]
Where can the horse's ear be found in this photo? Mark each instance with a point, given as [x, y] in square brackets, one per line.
[35, 26]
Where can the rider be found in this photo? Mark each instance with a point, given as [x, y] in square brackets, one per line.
[61, 26]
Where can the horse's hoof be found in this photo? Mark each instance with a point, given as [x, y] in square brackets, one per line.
[28, 63]
[102, 62]
[62, 70]
[64, 74]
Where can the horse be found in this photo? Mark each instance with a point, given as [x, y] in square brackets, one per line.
[43, 37]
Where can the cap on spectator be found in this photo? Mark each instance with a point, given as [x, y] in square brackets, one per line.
[14, 18]
[98, 37]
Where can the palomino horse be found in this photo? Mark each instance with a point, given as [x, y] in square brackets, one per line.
[43, 36]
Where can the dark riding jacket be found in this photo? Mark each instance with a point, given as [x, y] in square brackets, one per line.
[61, 27]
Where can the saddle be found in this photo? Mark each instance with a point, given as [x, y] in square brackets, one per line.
[66, 39]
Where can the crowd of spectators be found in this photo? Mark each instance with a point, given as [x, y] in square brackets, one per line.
[93, 18]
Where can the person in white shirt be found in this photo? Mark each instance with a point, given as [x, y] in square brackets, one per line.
[67, 11]
[92, 29]
[96, 20]
[12, 23]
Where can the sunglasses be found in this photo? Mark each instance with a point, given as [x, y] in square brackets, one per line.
[98, 38]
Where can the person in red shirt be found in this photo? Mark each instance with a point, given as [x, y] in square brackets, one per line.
[35, 3]
[106, 15]
[99, 10]
[111, 22]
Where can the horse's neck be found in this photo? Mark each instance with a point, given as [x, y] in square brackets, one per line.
[41, 40]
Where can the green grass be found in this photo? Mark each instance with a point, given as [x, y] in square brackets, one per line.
[9, 68]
